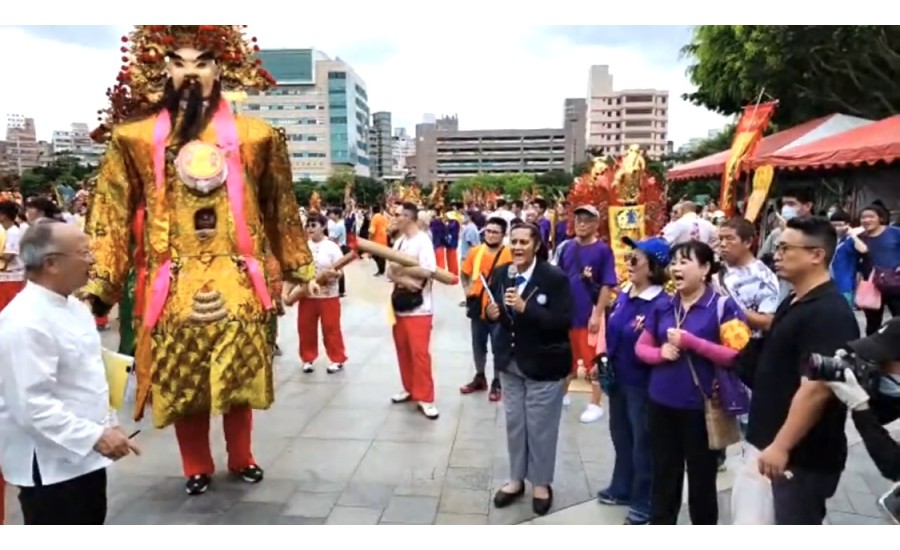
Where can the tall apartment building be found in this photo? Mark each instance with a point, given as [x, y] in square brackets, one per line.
[402, 148]
[445, 153]
[575, 129]
[618, 119]
[76, 142]
[381, 160]
[22, 151]
[322, 105]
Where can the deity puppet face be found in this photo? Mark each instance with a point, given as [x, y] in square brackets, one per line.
[193, 67]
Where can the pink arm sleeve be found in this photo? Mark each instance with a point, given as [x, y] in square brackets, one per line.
[647, 350]
[721, 356]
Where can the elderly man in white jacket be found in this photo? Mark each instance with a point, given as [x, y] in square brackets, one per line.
[57, 432]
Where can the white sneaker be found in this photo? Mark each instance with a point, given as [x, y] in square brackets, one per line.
[401, 397]
[429, 410]
[567, 400]
[334, 367]
[592, 413]
[308, 368]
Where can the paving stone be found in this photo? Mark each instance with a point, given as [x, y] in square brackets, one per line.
[311, 505]
[273, 491]
[253, 513]
[468, 478]
[366, 495]
[411, 510]
[464, 501]
[344, 515]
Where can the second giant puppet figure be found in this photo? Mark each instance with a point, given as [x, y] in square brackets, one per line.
[213, 194]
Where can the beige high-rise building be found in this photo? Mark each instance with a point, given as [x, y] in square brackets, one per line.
[617, 119]
[22, 150]
[322, 105]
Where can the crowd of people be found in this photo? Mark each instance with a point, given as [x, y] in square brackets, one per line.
[194, 231]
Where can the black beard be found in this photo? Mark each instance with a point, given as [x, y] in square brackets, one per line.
[189, 110]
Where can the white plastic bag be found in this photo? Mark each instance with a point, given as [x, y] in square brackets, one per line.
[752, 502]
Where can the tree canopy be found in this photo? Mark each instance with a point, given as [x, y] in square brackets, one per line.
[549, 185]
[366, 191]
[63, 174]
[812, 70]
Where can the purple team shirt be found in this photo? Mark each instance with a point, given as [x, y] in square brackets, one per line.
[544, 225]
[438, 233]
[625, 324]
[671, 384]
[575, 257]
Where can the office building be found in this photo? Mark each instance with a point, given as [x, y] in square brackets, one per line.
[617, 119]
[381, 158]
[574, 127]
[403, 147]
[77, 143]
[322, 105]
[446, 154]
[22, 151]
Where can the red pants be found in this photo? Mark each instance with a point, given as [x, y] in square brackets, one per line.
[309, 312]
[193, 442]
[8, 291]
[581, 349]
[412, 338]
[440, 254]
[453, 261]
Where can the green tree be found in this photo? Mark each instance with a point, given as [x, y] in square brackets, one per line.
[63, 172]
[812, 70]
[368, 191]
[554, 183]
[303, 190]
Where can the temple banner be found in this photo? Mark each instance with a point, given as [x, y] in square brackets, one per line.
[747, 135]
[625, 221]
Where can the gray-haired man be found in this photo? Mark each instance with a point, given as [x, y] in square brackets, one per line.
[55, 420]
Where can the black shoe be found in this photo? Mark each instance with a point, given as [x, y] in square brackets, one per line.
[197, 485]
[252, 474]
[502, 499]
[542, 505]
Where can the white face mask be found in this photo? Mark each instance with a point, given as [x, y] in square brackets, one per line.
[788, 212]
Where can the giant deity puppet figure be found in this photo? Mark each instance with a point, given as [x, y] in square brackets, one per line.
[204, 199]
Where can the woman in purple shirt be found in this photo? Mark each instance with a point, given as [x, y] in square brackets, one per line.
[627, 386]
[696, 331]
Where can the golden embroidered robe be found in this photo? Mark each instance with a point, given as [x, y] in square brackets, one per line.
[210, 349]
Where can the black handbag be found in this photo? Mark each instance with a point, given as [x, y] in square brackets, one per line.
[473, 303]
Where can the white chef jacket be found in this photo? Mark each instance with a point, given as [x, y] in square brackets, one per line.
[54, 397]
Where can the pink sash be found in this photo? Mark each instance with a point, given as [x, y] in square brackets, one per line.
[226, 132]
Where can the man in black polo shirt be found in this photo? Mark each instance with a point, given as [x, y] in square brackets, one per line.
[797, 423]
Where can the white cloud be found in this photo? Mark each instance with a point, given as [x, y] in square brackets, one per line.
[515, 77]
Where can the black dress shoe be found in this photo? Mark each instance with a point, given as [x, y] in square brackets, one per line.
[197, 485]
[251, 474]
[542, 505]
[502, 499]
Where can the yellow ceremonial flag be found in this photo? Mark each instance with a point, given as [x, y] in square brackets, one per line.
[762, 182]
[625, 221]
[119, 376]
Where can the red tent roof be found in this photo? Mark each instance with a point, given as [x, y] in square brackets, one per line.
[869, 144]
[713, 165]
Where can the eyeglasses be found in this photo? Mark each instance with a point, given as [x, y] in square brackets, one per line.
[781, 248]
[585, 219]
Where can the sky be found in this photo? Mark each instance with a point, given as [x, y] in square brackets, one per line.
[513, 77]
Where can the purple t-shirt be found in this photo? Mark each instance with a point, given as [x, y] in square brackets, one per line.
[562, 227]
[574, 259]
[671, 384]
[625, 324]
[544, 225]
[438, 233]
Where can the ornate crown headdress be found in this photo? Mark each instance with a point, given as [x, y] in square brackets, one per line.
[141, 81]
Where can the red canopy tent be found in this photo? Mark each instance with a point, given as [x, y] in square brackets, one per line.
[712, 166]
[869, 144]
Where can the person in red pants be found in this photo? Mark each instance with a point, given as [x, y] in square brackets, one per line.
[412, 310]
[451, 241]
[12, 280]
[438, 237]
[323, 308]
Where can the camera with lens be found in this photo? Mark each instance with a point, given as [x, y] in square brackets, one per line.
[831, 369]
